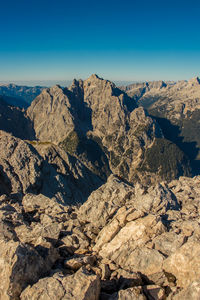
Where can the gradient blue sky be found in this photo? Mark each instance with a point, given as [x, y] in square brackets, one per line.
[118, 40]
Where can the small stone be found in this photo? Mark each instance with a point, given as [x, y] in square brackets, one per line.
[77, 262]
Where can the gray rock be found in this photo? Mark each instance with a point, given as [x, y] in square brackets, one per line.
[191, 292]
[80, 286]
[20, 265]
[105, 202]
[99, 124]
[184, 264]
[134, 293]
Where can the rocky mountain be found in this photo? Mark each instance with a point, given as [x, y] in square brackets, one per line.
[88, 207]
[17, 95]
[176, 107]
[99, 124]
[137, 90]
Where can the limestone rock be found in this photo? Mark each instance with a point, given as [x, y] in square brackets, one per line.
[55, 175]
[70, 170]
[105, 271]
[168, 242]
[124, 246]
[80, 286]
[157, 199]
[134, 293]
[102, 126]
[20, 165]
[20, 265]
[191, 292]
[76, 263]
[52, 105]
[184, 264]
[128, 279]
[104, 202]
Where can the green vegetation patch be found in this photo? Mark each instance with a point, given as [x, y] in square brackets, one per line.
[35, 143]
[71, 142]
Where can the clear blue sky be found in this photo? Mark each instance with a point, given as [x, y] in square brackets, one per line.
[118, 40]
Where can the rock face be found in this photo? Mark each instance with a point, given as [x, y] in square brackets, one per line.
[124, 242]
[184, 263]
[81, 286]
[20, 265]
[20, 166]
[100, 125]
[52, 173]
[176, 107]
[51, 115]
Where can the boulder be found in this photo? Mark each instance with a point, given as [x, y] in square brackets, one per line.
[184, 264]
[80, 286]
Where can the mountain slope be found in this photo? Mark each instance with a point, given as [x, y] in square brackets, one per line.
[43, 168]
[103, 127]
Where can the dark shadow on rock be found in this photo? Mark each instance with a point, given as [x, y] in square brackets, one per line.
[14, 121]
[29, 217]
[5, 183]
[81, 112]
[173, 133]
[15, 101]
[89, 148]
[147, 102]
[127, 101]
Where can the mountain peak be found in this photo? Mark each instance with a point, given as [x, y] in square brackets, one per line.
[94, 77]
[95, 80]
[56, 86]
[54, 89]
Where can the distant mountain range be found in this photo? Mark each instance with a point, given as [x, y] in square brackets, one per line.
[20, 96]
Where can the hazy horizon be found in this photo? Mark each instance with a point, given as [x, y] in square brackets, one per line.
[66, 83]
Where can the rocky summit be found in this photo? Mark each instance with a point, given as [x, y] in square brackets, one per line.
[102, 126]
[96, 202]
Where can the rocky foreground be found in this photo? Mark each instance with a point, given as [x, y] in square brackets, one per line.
[124, 242]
